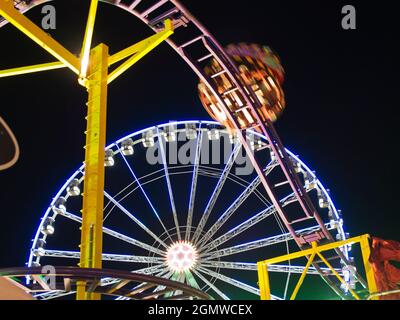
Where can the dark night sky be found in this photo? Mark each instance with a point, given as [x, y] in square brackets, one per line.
[341, 87]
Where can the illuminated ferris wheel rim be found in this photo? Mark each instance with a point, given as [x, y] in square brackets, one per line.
[138, 138]
[140, 133]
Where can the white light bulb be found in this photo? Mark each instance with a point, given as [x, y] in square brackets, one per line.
[181, 257]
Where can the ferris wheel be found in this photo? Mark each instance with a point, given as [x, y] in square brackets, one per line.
[180, 203]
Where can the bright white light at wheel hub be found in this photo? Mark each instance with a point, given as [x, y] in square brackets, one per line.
[181, 257]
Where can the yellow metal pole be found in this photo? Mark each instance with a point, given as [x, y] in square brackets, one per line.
[308, 252]
[22, 23]
[31, 69]
[93, 197]
[369, 273]
[304, 274]
[95, 77]
[148, 47]
[263, 281]
[355, 295]
[87, 41]
[141, 45]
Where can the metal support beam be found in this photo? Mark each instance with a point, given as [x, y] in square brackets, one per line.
[142, 45]
[31, 69]
[139, 50]
[121, 55]
[93, 200]
[355, 295]
[369, 273]
[263, 281]
[304, 274]
[87, 41]
[30, 29]
[265, 292]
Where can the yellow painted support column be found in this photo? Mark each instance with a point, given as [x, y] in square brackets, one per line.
[369, 273]
[355, 295]
[263, 281]
[93, 200]
[95, 80]
[143, 48]
[87, 41]
[30, 29]
[31, 69]
[304, 274]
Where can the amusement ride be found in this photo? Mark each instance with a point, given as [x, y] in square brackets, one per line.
[195, 229]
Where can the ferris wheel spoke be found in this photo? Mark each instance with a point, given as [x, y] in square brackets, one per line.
[50, 295]
[194, 185]
[166, 275]
[135, 242]
[241, 228]
[70, 216]
[105, 257]
[236, 204]
[117, 235]
[236, 283]
[214, 196]
[145, 286]
[155, 270]
[168, 181]
[211, 285]
[104, 282]
[142, 189]
[178, 277]
[181, 278]
[191, 280]
[248, 224]
[254, 245]
[132, 187]
[231, 210]
[231, 281]
[151, 270]
[114, 284]
[137, 221]
[244, 266]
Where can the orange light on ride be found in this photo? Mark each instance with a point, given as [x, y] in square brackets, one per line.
[261, 70]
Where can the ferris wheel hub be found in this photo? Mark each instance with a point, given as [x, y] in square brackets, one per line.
[181, 257]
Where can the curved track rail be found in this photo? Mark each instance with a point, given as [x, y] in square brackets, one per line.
[107, 282]
[14, 159]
